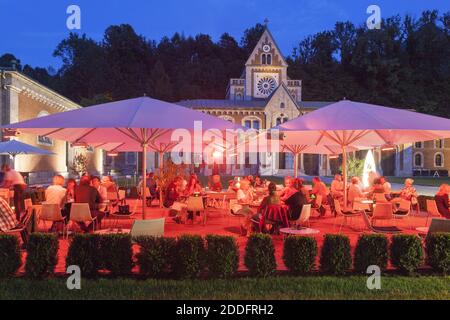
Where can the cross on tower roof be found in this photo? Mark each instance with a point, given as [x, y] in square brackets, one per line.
[266, 22]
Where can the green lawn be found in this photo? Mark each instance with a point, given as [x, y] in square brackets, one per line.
[312, 287]
[423, 181]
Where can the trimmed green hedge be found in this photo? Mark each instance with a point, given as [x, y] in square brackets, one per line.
[299, 254]
[156, 255]
[84, 251]
[10, 258]
[189, 256]
[406, 252]
[42, 255]
[335, 257]
[260, 255]
[371, 249]
[116, 254]
[438, 251]
[222, 256]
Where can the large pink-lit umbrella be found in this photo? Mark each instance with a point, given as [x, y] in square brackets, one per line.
[133, 124]
[360, 125]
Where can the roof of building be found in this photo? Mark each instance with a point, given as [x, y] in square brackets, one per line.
[244, 104]
[223, 104]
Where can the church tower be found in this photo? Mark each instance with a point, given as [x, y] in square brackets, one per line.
[265, 71]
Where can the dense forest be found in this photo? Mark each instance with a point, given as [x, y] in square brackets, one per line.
[406, 64]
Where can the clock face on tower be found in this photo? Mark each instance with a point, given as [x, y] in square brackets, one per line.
[265, 84]
[266, 48]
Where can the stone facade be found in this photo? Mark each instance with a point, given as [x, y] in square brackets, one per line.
[22, 98]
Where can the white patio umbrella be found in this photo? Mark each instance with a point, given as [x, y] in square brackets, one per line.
[133, 123]
[349, 124]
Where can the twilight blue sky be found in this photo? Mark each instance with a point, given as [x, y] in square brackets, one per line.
[32, 29]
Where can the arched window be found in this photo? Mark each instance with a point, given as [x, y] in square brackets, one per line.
[282, 105]
[263, 59]
[418, 159]
[238, 96]
[439, 159]
[269, 59]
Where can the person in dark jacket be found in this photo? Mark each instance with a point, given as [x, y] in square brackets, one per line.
[85, 193]
[296, 201]
[442, 200]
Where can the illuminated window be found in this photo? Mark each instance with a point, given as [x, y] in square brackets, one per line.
[439, 144]
[418, 160]
[439, 160]
[418, 145]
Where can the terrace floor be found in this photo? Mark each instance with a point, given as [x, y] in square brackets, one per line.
[222, 223]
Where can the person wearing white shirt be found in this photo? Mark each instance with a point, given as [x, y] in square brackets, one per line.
[56, 194]
[15, 180]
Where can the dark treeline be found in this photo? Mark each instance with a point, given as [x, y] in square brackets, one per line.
[406, 63]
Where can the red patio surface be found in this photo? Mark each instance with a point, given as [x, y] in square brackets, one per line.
[222, 223]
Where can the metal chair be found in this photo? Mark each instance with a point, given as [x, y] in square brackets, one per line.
[304, 216]
[382, 211]
[432, 210]
[195, 204]
[52, 212]
[345, 213]
[80, 212]
[376, 229]
[403, 211]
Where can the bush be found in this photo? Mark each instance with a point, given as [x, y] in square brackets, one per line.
[260, 255]
[335, 257]
[116, 253]
[189, 256]
[371, 249]
[406, 252]
[155, 257]
[10, 258]
[222, 256]
[299, 254]
[438, 251]
[42, 255]
[84, 251]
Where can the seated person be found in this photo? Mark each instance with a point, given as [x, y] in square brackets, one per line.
[215, 184]
[442, 200]
[296, 201]
[102, 191]
[193, 186]
[320, 192]
[288, 189]
[377, 187]
[337, 187]
[244, 196]
[258, 183]
[250, 179]
[172, 192]
[56, 194]
[386, 187]
[85, 193]
[354, 191]
[251, 221]
[8, 220]
[152, 185]
[232, 186]
[408, 193]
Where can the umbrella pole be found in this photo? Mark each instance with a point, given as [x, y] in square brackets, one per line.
[161, 159]
[144, 180]
[344, 173]
[295, 165]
